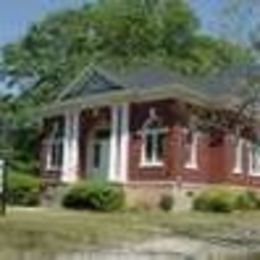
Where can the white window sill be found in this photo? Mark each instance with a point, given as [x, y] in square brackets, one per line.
[254, 174]
[151, 165]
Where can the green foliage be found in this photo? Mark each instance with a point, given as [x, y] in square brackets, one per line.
[215, 199]
[56, 49]
[122, 32]
[247, 200]
[244, 201]
[226, 199]
[23, 190]
[94, 196]
[166, 202]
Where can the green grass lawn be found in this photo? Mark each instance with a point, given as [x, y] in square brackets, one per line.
[48, 229]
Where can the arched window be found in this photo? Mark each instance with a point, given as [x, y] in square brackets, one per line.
[153, 134]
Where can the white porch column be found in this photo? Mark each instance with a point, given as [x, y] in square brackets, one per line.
[124, 144]
[71, 147]
[114, 156]
[119, 143]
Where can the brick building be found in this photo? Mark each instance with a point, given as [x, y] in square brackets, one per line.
[148, 126]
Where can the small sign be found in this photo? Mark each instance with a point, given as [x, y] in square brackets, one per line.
[2, 165]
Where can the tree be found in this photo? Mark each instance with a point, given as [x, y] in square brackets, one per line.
[121, 32]
[55, 50]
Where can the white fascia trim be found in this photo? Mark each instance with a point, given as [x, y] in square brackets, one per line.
[129, 95]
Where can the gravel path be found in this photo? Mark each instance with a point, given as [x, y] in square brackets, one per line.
[154, 249]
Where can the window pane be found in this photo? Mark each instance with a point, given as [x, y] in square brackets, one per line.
[102, 134]
[53, 155]
[149, 147]
[59, 154]
[159, 146]
[96, 156]
[256, 158]
[189, 142]
[56, 154]
[57, 130]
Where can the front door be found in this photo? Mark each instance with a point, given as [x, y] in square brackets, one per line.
[99, 155]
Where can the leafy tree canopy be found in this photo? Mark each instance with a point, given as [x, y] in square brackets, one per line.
[121, 31]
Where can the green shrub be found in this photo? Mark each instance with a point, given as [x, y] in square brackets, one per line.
[255, 197]
[245, 201]
[215, 199]
[23, 190]
[166, 202]
[94, 196]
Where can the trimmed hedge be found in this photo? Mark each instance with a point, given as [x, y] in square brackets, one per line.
[217, 199]
[224, 199]
[23, 190]
[247, 200]
[94, 196]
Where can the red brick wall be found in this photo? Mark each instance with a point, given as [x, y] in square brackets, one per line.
[139, 113]
[215, 159]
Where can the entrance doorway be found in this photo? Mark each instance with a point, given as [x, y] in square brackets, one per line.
[98, 159]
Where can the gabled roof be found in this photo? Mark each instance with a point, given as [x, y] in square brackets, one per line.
[232, 81]
[96, 85]
[104, 80]
[91, 82]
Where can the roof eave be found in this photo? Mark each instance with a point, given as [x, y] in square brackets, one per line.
[128, 95]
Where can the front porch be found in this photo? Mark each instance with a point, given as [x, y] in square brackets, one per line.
[91, 143]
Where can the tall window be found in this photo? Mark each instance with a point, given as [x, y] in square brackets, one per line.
[153, 142]
[255, 159]
[55, 147]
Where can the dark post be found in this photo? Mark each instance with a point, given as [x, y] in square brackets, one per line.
[3, 176]
[4, 156]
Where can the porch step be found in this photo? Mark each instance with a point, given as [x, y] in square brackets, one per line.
[53, 194]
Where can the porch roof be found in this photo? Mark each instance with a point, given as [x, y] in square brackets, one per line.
[100, 85]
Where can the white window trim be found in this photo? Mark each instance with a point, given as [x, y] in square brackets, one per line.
[238, 163]
[193, 163]
[154, 162]
[252, 171]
